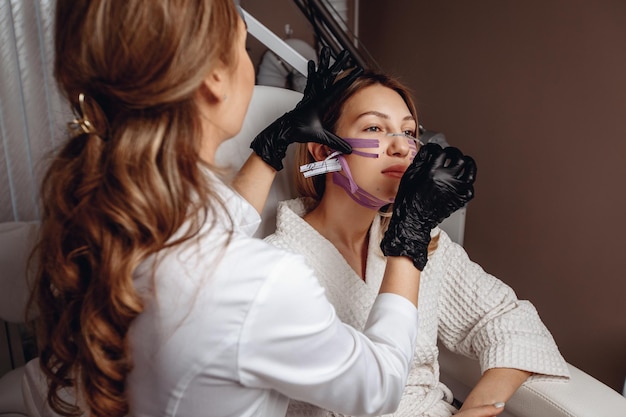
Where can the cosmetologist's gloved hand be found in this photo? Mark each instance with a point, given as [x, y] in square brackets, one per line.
[438, 182]
[302, 124]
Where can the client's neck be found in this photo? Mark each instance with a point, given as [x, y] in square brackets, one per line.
[346, 225]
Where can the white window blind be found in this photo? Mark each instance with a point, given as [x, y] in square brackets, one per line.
[33, 115]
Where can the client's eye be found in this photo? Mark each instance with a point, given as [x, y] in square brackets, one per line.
[410, 133]
[373, 129]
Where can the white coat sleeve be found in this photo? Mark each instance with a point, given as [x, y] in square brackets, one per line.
[294, 343]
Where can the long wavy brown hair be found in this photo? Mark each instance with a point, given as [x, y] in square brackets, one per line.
[120, 187]
[314, 187]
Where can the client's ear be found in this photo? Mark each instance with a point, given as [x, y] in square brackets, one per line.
[318, 151]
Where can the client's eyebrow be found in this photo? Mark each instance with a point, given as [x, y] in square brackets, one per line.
[382, 115]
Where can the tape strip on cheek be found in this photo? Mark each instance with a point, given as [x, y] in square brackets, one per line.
[358, 194]
[363, 143]
[348, 174]
[413, 147]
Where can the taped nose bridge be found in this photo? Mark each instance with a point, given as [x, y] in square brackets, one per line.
[399, 144]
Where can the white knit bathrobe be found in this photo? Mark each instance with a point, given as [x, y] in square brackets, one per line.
[471, 312]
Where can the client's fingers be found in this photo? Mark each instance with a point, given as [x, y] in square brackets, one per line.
[482, 411]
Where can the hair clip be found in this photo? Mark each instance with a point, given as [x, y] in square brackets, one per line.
[330, 164]
[81, 122]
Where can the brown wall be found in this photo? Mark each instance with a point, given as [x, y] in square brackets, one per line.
[536, 92]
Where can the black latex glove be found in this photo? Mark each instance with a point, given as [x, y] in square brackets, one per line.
[302, 124]
[438, 182]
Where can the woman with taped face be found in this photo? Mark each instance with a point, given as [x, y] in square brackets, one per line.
[342, 225]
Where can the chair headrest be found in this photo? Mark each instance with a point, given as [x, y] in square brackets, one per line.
[267, 104]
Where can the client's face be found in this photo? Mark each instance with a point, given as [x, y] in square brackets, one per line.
[380, 116]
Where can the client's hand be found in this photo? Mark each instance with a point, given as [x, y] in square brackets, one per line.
[482, 411]
[438, 182]
[302, 124]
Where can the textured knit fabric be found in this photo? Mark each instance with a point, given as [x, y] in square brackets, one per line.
[471, 312]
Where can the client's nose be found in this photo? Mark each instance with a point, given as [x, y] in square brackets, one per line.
[399, 144]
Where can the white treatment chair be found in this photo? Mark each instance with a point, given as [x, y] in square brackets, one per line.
[582, 396]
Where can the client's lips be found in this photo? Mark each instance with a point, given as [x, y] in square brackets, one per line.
[395, 171]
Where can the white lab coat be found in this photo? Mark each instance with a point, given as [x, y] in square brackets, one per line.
[235, 330]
